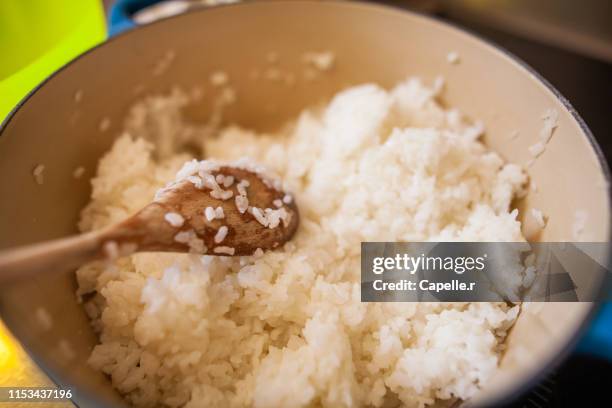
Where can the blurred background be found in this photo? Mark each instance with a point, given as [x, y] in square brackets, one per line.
[569, 42]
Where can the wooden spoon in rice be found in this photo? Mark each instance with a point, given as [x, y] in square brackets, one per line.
[210, 209]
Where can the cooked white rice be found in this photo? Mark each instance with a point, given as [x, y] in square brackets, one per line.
[287, 328]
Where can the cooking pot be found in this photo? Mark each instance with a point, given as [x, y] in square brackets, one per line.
[372, 44]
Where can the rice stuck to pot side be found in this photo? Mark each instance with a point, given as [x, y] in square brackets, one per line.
[287, 328]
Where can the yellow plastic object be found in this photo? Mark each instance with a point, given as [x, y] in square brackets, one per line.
[39, 36]
[17, 370]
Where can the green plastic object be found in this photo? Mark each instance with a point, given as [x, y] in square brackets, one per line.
[37, 37]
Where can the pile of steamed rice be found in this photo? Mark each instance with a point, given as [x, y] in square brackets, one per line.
[287, 329]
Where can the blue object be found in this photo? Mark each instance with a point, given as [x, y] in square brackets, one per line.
[120, 17]
[598, 339]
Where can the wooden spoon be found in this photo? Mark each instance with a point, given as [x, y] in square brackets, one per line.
[176, 221]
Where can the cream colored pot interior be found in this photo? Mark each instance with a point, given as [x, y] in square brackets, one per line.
[371, 44]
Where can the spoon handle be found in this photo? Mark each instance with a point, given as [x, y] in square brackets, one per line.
[58, 255]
